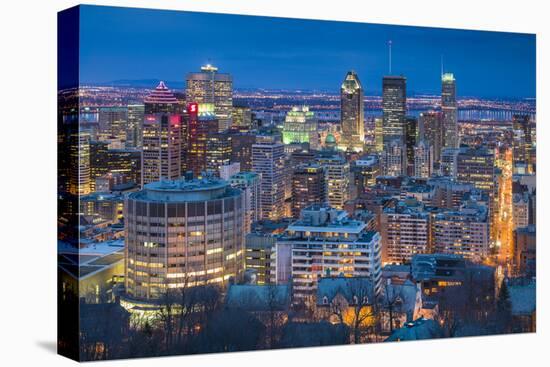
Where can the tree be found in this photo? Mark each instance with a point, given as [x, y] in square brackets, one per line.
[504, 309]
[356, 309]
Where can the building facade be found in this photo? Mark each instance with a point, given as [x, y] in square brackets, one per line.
[181, 234]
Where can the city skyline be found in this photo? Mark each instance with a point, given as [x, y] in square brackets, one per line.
[274, 57]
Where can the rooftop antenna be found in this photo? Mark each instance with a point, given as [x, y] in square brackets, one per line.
[441, 65]
[389, 52]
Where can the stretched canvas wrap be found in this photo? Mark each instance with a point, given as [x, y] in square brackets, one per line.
[233, 183]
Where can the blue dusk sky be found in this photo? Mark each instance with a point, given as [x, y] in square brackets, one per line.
[279, 53]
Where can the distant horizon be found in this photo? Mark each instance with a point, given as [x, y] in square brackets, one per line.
[140, 84]
[296, 54]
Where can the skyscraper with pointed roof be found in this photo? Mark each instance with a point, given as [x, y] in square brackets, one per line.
[162, 137]
[352, 113]
[449, 110]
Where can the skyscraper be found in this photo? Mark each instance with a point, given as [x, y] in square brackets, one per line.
[352, 113]
[249, 183]
[411, 139]
[308, 187]
[300, 126]
[201, 122]
[337, 176]
[210, 86]
[394, 107]
[522, 142]
[218, 151]
[423, 160]
[394, 159]
[134, 137]
[430, 130]
[268, 161]
[161, 137]
[113, 122]
[449, 110]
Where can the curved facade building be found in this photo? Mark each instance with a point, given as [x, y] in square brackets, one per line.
[183, 233]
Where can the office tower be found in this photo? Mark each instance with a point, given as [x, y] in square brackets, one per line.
[113, 123]
[134, 137]
[201, 123]
[430, 130]
[175, 237]
[268, 161]
[449, 110]
[352, 113]
[476, 166]
[308, 187]
[411, 139]
[337, 178]
[463, 232]
[80, 180]
[365, 170]
[405, 231]
[394, 108]
[210, 86]
[242, 119]
[423, 160]
[325, 242]
[249, 183]
[300, 127]
[379, 133]
[448, 163]
[103, 161]
[218, 152]
[241, 149]
[522, 142]
[161, 158]
[394, 159]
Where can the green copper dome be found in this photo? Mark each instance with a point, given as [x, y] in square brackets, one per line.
[330, 139]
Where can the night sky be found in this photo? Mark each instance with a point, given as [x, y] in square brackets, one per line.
[264, 52]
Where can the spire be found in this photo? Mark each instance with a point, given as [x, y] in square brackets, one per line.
[389, 52]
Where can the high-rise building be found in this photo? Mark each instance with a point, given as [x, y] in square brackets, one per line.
[268, 161]
[218, 151]
[405, 231]
[394, 108]
[201, 123]
[249, 183]
[242, 119]
[308, 187]
[393, 159]
[324, 242]
[379, 134]
[241, 149]
[430, 129]
[448, 163]
[365, 170]
[113, 122]
[352, 113]
[423, 160]
[161, 157]
[522, 143]
[300, 127]
[411, 140]
[182, 234]
[476, 166]
[80, 180]
[134, 138]
[463, 232]
[449, 110]
[337, 176]
[210, 86]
